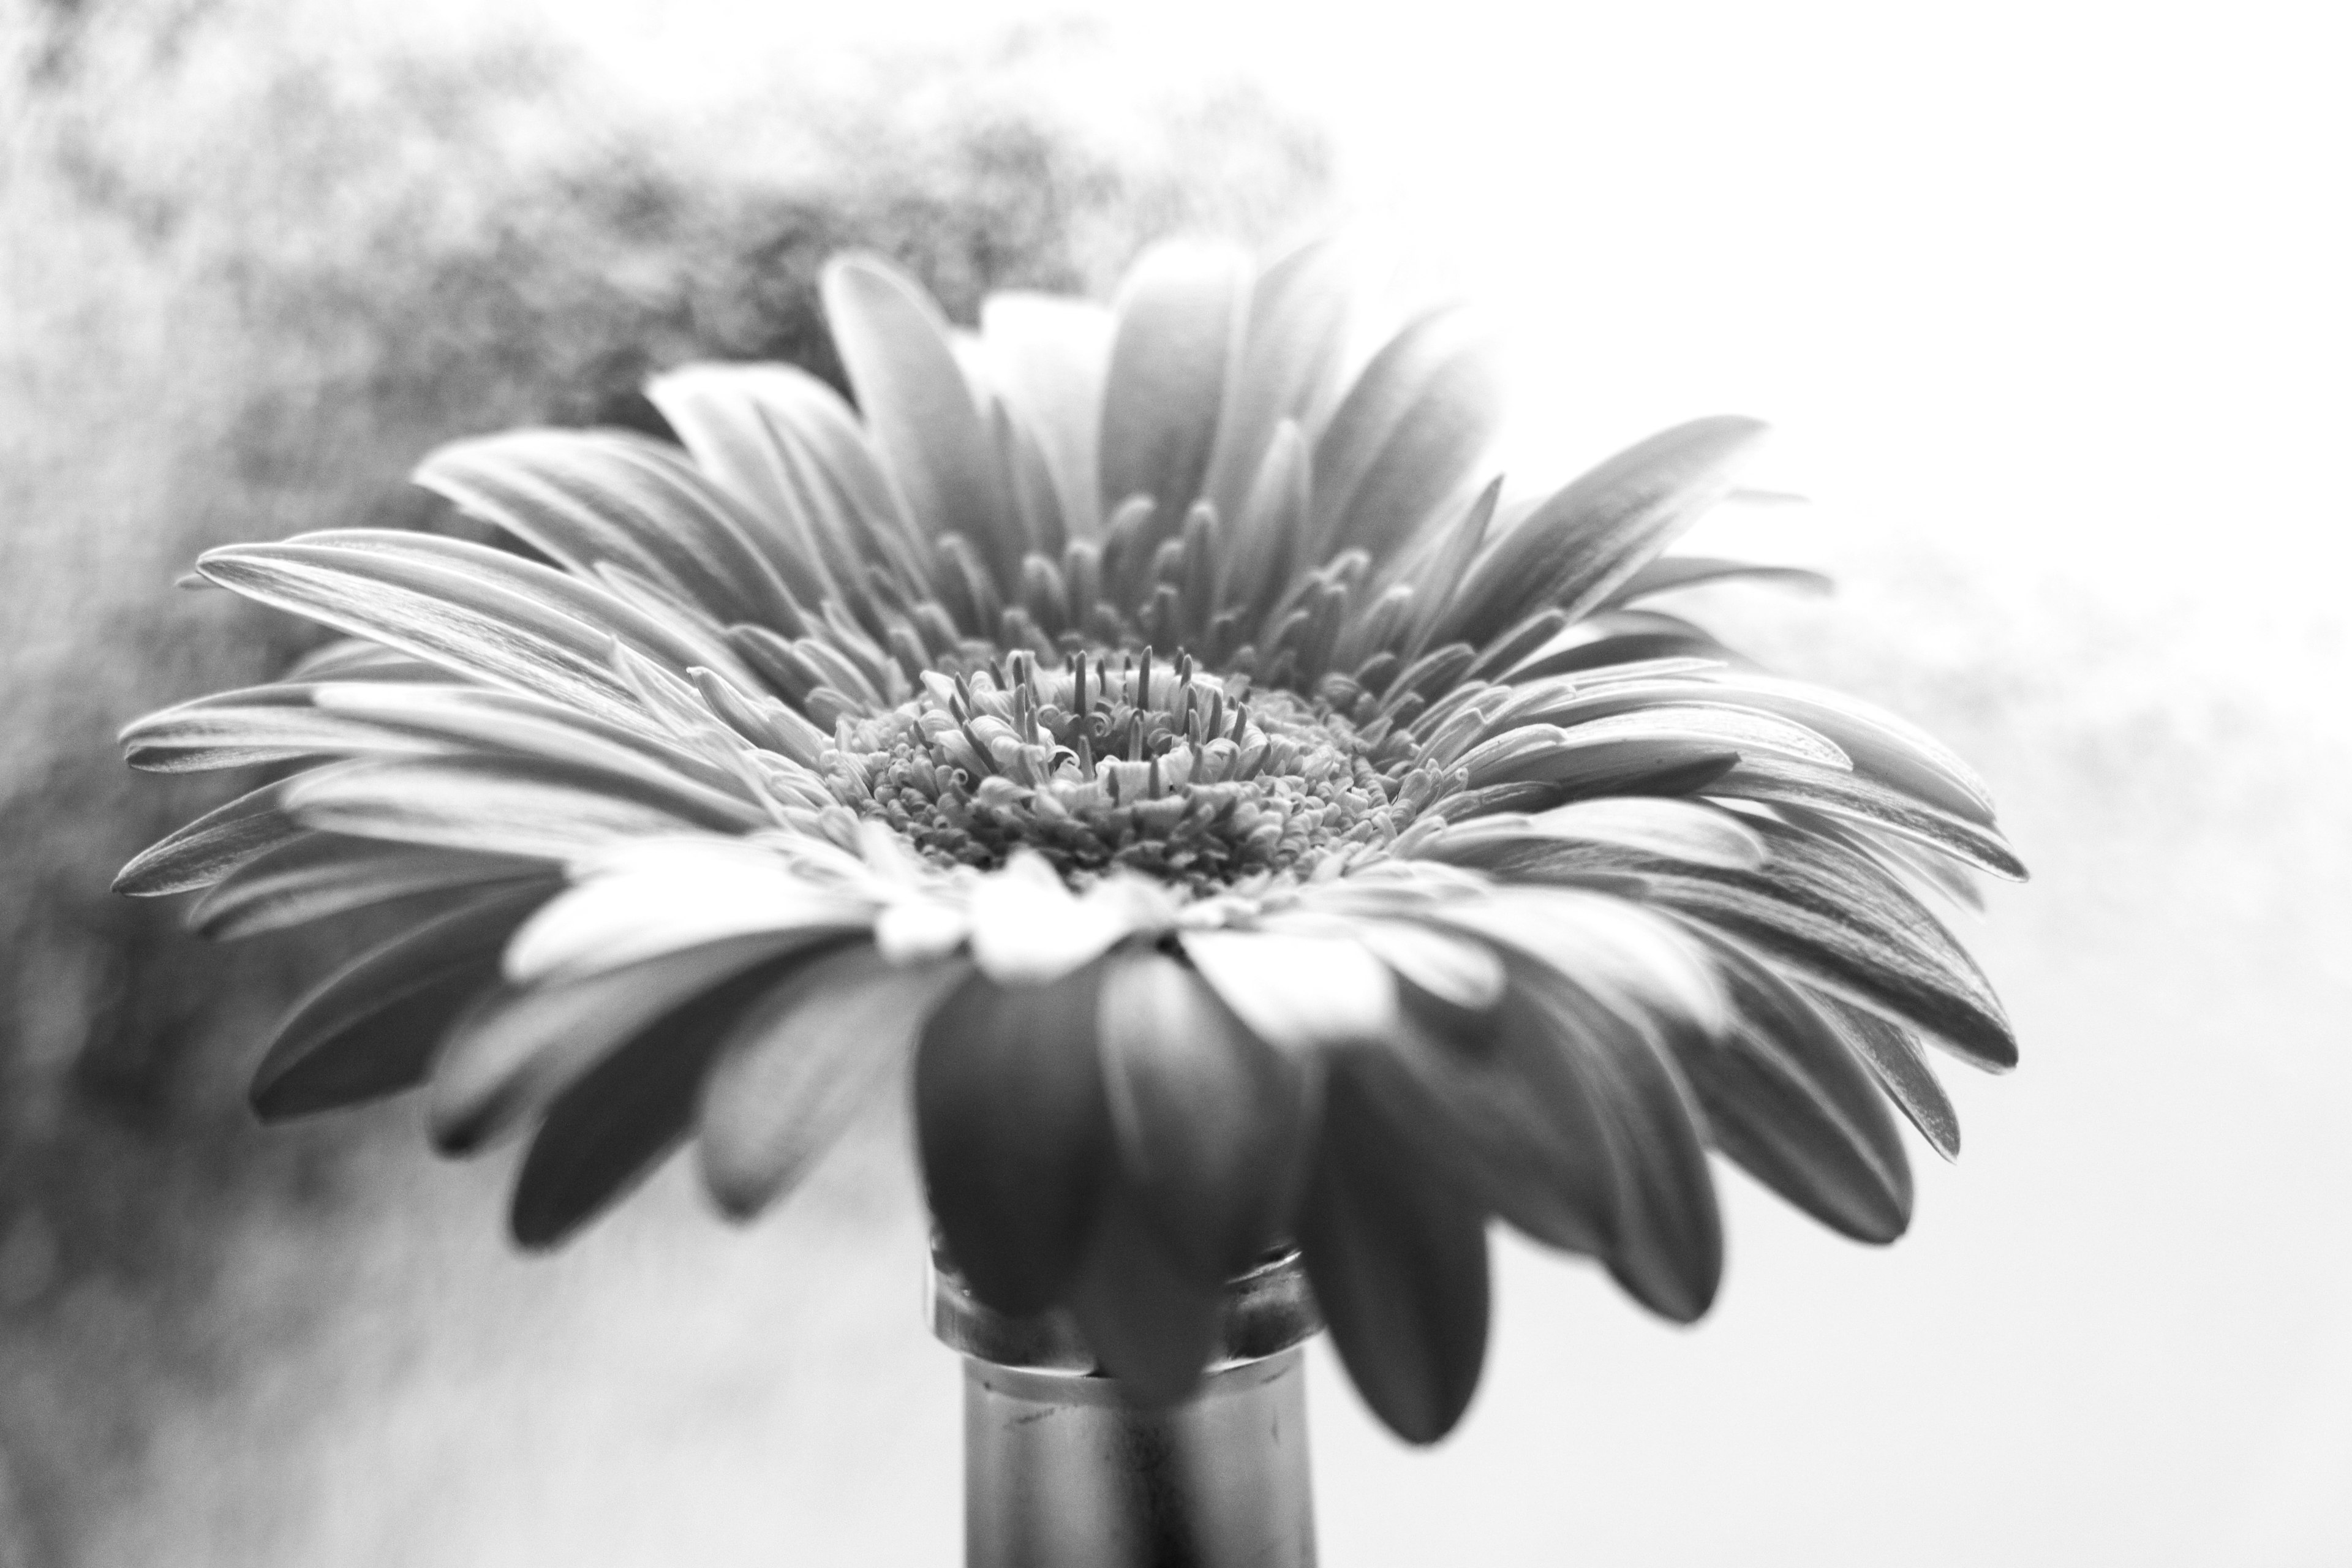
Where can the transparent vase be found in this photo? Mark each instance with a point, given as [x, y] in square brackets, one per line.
[1062, 1471]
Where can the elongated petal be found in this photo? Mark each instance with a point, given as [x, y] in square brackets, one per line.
[1405, 438]
[1298, 991]
[607, 1131]
[1182, 311]
[1791, 1101]
[919, 407]
[1782, 781]
[1903, 1069]
[1398, 1260]
[463, 623]
[665, 628]
[1575, 549]
[733, 420]
[1838, 920]
[1210, 1121]
[214, 844]
[370, 1028]
[663, 896]
[585, 497]
[319, 875]
[1632, 958]
[206, 736]
[1151, 1322]
[1668, 573]
[1290, 367]
[1681, 830]
[1550, 754]
[1015, 1133]
[511, 1056]
[493, 805]
[803, 1061]
[1605, 646]
[1050, 355]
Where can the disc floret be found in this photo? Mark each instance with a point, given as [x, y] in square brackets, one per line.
[1122, 757]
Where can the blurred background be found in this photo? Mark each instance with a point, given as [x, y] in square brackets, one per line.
[2048, 302]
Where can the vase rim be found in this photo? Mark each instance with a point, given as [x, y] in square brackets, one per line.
[1268, 1309]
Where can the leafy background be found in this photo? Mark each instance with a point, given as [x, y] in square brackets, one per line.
[2047, 301]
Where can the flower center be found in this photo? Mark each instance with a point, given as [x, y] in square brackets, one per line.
[1114, 758]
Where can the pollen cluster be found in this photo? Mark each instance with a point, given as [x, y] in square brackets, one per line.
[1114, 758]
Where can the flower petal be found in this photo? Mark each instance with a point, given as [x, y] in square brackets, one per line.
[1182, 311]
[1669, 572]
[1050, 355]
[582, 497]
[1784, 782]
[495, 806]
[1398, 1260]
[1576, 548]
[803, 1061]
[660, 897]
[214, 844]
[322, 875]
[1151, 1322]
[463, 622]
[1290, 367]
[1901, 1070]
[611, 1127]
[519, 1048]
[1298, 991]
[1791, 1101]
[1405, 438]
[919, 407]
[1211, 1120]
[1826, 914]
[370, 1028]
[1014, 1133]
[1028, 929]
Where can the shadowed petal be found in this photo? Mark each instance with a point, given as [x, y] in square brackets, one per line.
[1151, 1322]
[803, 1061]
[607, 1131]
[1902, 1068]
[1791, 1101]
[371, 1027]
[513, 1052]
[1841, 922]
[1211, 1120]
[1015, 1133]
[1398, 1260]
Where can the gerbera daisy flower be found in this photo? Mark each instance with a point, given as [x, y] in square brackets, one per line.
[1156, 743]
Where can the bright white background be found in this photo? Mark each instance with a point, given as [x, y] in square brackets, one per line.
[2049, 303]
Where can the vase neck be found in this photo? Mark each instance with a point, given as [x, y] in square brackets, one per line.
[1059, 1472]
[1062, 1471]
